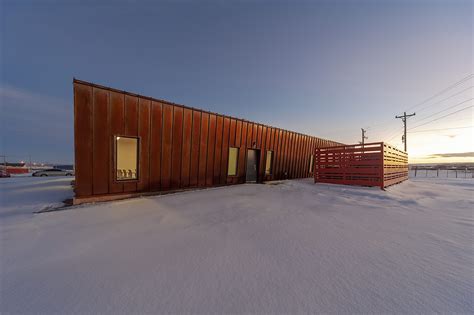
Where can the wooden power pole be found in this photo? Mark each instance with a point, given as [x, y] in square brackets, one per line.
[404, 119]
[363, 135]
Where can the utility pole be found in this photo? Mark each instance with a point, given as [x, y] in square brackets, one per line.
[363, 135]
[404, 119]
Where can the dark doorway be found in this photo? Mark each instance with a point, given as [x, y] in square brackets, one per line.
[251, 174]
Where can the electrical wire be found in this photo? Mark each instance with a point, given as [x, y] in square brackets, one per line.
[447, 98]
[441, 92]
[448, 108]
[455, 112]
[441, 129]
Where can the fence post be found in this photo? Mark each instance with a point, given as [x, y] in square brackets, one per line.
[456, 173]
[382, 168]
[437, 172]
[416, 167]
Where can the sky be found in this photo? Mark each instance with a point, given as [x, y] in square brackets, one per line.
[324, 68]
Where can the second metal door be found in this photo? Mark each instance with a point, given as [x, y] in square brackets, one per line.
[251, 174]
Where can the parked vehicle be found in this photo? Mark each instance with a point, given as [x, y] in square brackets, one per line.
[4, 173]
[53, 172]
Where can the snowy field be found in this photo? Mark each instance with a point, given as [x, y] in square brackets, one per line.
[295, 247]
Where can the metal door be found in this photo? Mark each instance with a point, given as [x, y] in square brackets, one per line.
[252, 166]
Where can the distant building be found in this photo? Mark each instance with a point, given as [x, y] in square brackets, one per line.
[14, 168]
[127, 144]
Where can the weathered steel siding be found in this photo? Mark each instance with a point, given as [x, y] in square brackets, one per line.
[179, 147]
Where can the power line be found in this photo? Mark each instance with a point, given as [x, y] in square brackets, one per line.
[442, 129]
[447, 98]
[393, 135]
[448, 108]
[443, 91]
[462, 109]
[390, 132]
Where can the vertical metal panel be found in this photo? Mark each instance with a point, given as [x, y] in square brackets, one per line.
[233, 123]
[241, 164]
[286, 154]
[218, 150]
[254, 135]
[203, 149]
[117, 127]
[294, 155]
[263, 153]
[297, 150]
[291, 161]
[131, 129]
[279, 154]
[210, 150]
[259, 136]
[225, 150]
[277, 172]
[303, 156]
[291, 158]
[299, 156]
[238, 133]
[131, 116]
[268, 138]
[186, 160]
[238, 143]
[195, 148]
[273, 139]
[166, 146]
[100, 149]
[271, 146]
[176, 152]
[155, 145]
[144, 134]
[283, 153]
[83, 139]
[249, 143]
[307, 154]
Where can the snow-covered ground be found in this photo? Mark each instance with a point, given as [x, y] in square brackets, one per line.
[295, 247]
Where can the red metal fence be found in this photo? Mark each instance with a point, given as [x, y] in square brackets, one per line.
[371, 164]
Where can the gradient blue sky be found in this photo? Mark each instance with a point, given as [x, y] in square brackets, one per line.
[321, 68]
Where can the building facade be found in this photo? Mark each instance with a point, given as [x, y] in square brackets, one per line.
[127, 144]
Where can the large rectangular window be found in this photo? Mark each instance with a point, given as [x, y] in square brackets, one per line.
[269, 163]
[233, 158]
[126, 158]
[311, 162]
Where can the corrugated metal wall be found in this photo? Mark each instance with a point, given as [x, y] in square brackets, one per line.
[180, 147]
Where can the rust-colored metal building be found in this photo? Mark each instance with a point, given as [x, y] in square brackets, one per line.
[127, 144]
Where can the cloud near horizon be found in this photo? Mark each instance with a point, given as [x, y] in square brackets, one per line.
[451, 155]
